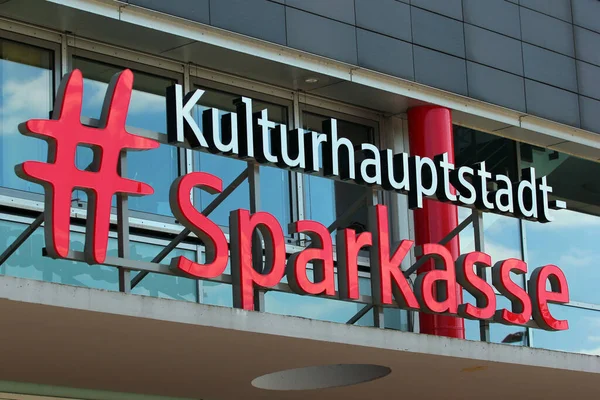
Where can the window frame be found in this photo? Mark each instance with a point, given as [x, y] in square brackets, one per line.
[120, 62]
[255, 92]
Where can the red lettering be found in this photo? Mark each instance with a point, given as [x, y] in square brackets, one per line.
[244, 276]
[320, 252]
[348, 247]
[211, 235]
[479, 288]
[385, 270]
[520, 313]
[540, 297]
[436, 289]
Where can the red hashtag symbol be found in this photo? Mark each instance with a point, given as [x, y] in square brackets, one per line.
[60, 176]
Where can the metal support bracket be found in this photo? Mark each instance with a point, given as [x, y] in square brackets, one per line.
[185, 232]
[21, 238]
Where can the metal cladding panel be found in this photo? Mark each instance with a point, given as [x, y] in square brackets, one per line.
[590, 113]
[385, 54]
[322, 36]
[340, 10]
[259, 18]
[440, 70]
[389, 17]
[547, 32]
[586, 14]
[588, 77]
[539, 40]
[437, 32]
[495, 86]
[549, 67]
[497, 15]
[552, 103]
[587, 44]
[493, 49]
[194, 10]
[449, 8]
[555, 8]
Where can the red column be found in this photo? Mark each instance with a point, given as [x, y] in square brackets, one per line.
[430, 134]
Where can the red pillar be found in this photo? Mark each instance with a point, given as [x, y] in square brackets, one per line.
[430, 134]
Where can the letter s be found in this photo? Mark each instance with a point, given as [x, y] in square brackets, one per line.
[211, 235]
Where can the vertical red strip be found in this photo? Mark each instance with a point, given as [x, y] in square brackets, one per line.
[430, 134]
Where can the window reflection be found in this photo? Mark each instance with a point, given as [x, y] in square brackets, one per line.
[28, 262]
[26, 92]
[147, 110]
[274, 182]
[499, 333]
[327, 199]
[583, 335]
[571, 240]
[161, 285]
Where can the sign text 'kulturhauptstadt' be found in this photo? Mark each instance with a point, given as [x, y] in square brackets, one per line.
[252, 136]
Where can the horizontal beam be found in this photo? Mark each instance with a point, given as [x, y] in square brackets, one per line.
[185, 232]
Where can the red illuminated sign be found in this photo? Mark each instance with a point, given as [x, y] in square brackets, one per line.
[433, 292]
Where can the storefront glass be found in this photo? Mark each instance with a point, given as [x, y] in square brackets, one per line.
[275, 190]
[326, 199]
[147, 110]
[26, 91]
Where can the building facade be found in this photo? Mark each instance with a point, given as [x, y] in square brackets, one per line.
[518, 81]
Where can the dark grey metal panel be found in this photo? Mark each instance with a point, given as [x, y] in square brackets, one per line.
[493, 49]
[341, 10]
[495, 86]
[450, 8]
[437, 32]
[389, 17]
[588, 79]
[587, 45]
[547, 32]
[258, 18]
[552, 103]
[440, 70]
[321, 36]
[194, 10]
[385, 54]
[497, 15]
[586, 13]
[555, 8]
[590, 114]
[549, 67]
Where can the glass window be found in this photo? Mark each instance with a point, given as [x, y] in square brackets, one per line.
[274, 182]
[161, 285]
[26, 91]
[327, 199]
[325, 309]
[571, 240]
[583, 335]
[147, 110]
[499, 333]
[28, 262]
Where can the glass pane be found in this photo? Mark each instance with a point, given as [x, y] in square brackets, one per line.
[327, 199]
[582, 336]
[26, 91]
[318, 307]
[157, 167]
[28, 262]
[499, 154]
[274, 182]
[161, 285]
[506, 334]
[214, 293]
[571, 240]
[499, 333]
